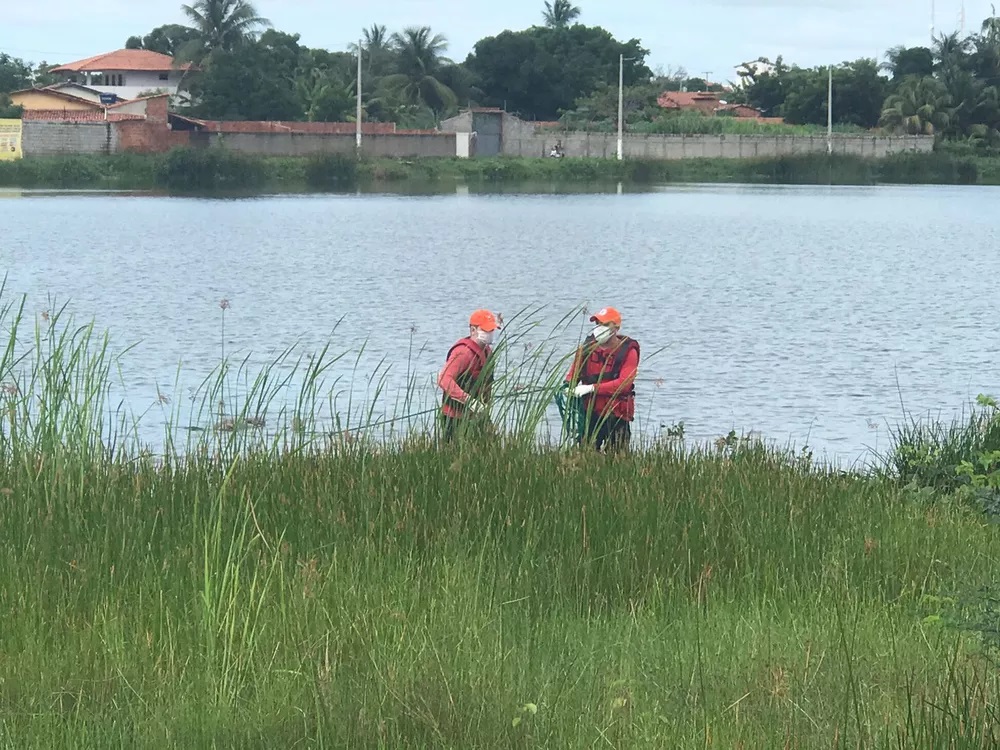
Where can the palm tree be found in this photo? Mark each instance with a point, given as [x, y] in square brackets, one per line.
[919, 107]
[221, 25]
[949, 49]
[376, 44]
[419, 58]
[559, 14]
[326, 98]
[991, 29]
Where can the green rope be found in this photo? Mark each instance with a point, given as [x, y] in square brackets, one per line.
[572, 413]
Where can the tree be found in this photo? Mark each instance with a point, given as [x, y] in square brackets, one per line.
[254, 81]
[859, 93]
[765, 91]
[15, 73]
[169, 39]
[221, 25]
[419, 61]
[991, 29]
[919, 107]
[559, 14]
[9, 111]
[326, 97]
[639, 104]
[903, 62]
[377, 46]
[541, 72]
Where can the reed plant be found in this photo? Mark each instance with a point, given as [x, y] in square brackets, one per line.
[288, 579]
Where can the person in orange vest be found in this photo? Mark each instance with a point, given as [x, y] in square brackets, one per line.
[466, 380]
[604, 371]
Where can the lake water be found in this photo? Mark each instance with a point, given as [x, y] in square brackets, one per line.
[790, 311]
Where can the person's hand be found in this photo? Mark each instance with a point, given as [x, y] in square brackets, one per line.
[583, 390]
[475, 406]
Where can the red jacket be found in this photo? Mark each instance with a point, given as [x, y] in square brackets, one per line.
[612, 371]
[462, 376]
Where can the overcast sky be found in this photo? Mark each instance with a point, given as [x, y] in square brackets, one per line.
[700, 35]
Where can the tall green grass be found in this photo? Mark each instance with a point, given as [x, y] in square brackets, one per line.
[369, 590]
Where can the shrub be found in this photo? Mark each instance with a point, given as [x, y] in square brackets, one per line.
[209, 169]
[325, 171]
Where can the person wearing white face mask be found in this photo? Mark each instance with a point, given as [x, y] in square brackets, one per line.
[603, 375]
[466, 380]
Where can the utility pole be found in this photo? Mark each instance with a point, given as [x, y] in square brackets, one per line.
[357, 116]
[829, 111]
[621, 105]
[932, 21]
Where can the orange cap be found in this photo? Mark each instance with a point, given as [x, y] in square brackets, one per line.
[484, 320]
[607, 316]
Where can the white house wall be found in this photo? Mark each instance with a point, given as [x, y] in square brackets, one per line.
[134, 83]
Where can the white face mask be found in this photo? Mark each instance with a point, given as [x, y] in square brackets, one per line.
[602, 334]
[484, 338]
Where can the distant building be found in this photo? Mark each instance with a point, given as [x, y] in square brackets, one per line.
[126, 73]
[706, 103]
[54, 98]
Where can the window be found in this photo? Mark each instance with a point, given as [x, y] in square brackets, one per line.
[164, 76]
[121, 80]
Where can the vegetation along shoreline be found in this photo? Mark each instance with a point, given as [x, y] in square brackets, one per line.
[217, 169]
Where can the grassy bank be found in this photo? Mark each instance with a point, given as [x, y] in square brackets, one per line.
[372, 594]
[220, 170]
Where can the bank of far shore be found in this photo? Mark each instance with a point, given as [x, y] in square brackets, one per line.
[215, 169]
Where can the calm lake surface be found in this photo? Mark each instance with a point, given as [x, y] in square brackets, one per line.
[790, 311]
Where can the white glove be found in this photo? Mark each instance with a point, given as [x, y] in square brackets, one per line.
[583, 390]
[475, 406]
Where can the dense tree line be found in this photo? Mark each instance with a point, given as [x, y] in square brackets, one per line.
[562, 68]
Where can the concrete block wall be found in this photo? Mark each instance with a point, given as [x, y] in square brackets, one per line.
[638, 146]
[307, 144]
[41, 138]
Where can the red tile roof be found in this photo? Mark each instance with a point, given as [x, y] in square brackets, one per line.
[700, 100]
[123, 59]
[67, 115]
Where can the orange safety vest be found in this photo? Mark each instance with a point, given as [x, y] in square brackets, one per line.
[472, 380]
[596, 365]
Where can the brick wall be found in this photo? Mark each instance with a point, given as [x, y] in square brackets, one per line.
[150, 137]
[40, 138]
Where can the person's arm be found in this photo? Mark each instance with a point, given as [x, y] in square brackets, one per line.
[620, 384]
[460, 361]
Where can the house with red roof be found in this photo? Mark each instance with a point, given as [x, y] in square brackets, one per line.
[706, 103]
[127, 73]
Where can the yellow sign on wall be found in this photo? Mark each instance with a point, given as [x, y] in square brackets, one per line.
[10, 140]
